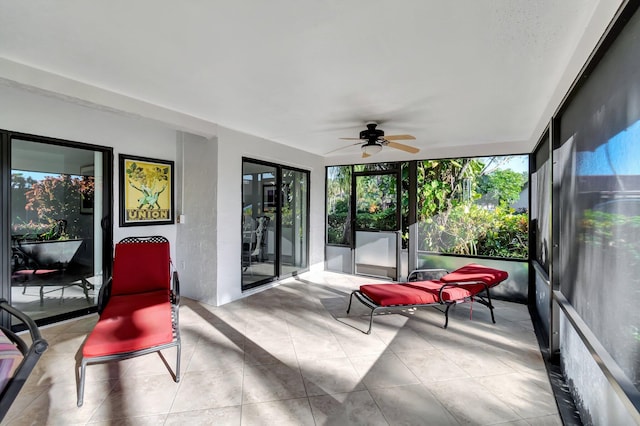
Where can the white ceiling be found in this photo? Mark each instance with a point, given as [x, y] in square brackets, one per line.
[456, 74]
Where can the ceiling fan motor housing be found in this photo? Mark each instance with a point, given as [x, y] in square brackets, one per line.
[372, 134]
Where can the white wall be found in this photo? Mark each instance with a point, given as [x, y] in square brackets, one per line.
[197, 235]
[31, 112]
[232, 146]
[206, 249]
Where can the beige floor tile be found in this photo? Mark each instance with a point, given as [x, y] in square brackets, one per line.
[522, 394]
[289, 412]
[270, 351]
[271, 383]
[215, 356]
[225, 416]
[355, 408]
[317, 347]
[254, 361]
[133, 421]
[383, 371]
[137, 396]
[477, 361]
[202, 390]
[404, 340]
[355, 343]
[471, 403]
[430, 366]
[329, 376]
[412, 405]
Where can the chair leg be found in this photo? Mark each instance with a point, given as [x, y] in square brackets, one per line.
[178, 364]
[83, 367]
[446, 315]
[371, 321]
[350, 299]
[490, 305]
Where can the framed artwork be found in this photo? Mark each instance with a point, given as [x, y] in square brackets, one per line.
[146, 191]
[268, 198]
[87, 189]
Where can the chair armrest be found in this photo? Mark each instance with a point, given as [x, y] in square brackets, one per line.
[104, 295]
[426, 274]
[176, 288]
[39, 344]
[14, 380]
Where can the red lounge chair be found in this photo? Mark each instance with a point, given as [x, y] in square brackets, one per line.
[465, 284]
[138, 307]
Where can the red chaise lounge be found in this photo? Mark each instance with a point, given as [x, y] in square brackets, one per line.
[138, 307]
[443, 289]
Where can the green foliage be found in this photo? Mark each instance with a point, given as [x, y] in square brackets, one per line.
[475, 231]
[502, 186]
[450, 222]
[449, 218]
[612, 231]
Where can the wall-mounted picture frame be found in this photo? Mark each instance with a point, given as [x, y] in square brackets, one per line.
[146, 191]
[87, 188]
[269, 198]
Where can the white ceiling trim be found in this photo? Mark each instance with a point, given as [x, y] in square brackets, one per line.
[49, 84]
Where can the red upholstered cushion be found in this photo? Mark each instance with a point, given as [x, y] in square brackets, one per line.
[401, 294]
[461, 291]
[36, 272]
[475, 272]
[140, 267]
[131, 323]
[10, 359]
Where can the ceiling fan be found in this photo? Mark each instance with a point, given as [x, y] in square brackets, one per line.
[373, 139]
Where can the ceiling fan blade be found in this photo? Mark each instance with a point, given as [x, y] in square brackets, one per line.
[400, 137]
[365, 155]
[403, 147]
[343, 147]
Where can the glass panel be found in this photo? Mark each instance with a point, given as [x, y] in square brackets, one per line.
[474, 206]
[293, 246]
[56, 244]
[259, 207]
[376, 202]
[376, 254]
[339, 205]
[598, 183]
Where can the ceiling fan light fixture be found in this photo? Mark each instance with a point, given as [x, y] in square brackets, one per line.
[371, 148]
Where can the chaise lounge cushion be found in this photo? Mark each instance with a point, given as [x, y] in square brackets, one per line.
[475, 272]
[428, 292]
[416, 293]
[130, 323]
[135, 268]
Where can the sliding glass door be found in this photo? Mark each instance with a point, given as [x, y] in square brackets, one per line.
[275, 218]
[294, 216]
[59, 199]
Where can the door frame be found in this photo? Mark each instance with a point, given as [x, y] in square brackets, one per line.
[397, 172]
[6, 137]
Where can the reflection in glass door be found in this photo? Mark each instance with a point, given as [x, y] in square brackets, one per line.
[259, 208]
[56, 203]
[294, 219]
[377, 235]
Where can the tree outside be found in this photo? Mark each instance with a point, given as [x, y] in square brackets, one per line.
[49, 208]
[464, 206]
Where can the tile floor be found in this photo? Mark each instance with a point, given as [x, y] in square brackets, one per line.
[291, 356]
